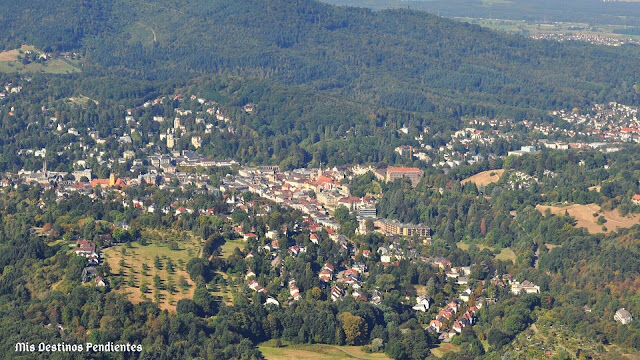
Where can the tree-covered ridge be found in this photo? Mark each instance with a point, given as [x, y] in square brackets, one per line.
[398, 58]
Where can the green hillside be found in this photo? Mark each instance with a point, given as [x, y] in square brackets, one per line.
[396, 58]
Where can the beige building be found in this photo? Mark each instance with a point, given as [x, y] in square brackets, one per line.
[392, 227]
[170, 141]
[411, 173]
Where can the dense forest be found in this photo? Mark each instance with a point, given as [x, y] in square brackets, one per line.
[399, 59]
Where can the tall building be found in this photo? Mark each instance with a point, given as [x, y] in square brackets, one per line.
[170, 141]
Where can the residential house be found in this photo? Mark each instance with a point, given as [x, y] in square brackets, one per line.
[376, 297]
[271, 301]
[88, 273]
[325, 276]
[422, 303]
[435, 325]
[466, 295]
[87, 249]
[359, 295]
[623, 316]
[336, 293]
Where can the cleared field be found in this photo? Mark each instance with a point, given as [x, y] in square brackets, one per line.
[133, 274]
[551, 246]
[443, 349]
[82, 100]
[142, 33]
[506, 255]
[54, 66]
[12, 55]
[229, 246]
[484, 178]
[465, 246]
[9, 63]
[584, 217]
[317, 352]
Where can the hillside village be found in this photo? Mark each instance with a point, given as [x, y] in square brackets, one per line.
[168, 159]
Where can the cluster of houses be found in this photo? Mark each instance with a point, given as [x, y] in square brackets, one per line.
[148, 160]
[606, 124]
[580, 36]
[87, 249]
[9, 88]
[314, 192]
[255, 286]
[610, 122]
[451, 319]
[317, 193]
[349, 278]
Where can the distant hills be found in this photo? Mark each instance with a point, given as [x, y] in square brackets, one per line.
[596, 12]
[400, 59]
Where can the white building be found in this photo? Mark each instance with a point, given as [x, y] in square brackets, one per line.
[623, 316]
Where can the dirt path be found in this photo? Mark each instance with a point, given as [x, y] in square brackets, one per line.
[155, 38]
[348, 353]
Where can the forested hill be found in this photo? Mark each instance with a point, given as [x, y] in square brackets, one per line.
[398, 58]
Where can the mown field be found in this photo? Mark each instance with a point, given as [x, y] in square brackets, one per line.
[484, 178]
[317, 352]
[444, 348]
[584, 217]
[505, 254]
[135, 264]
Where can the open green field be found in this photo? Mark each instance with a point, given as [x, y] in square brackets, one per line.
[443, 349]
[142, 34]
[505, 254]
[133, 273]
[317, 352]
[230, 245]
[465, 246]
[10, 63]
[81, 100]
